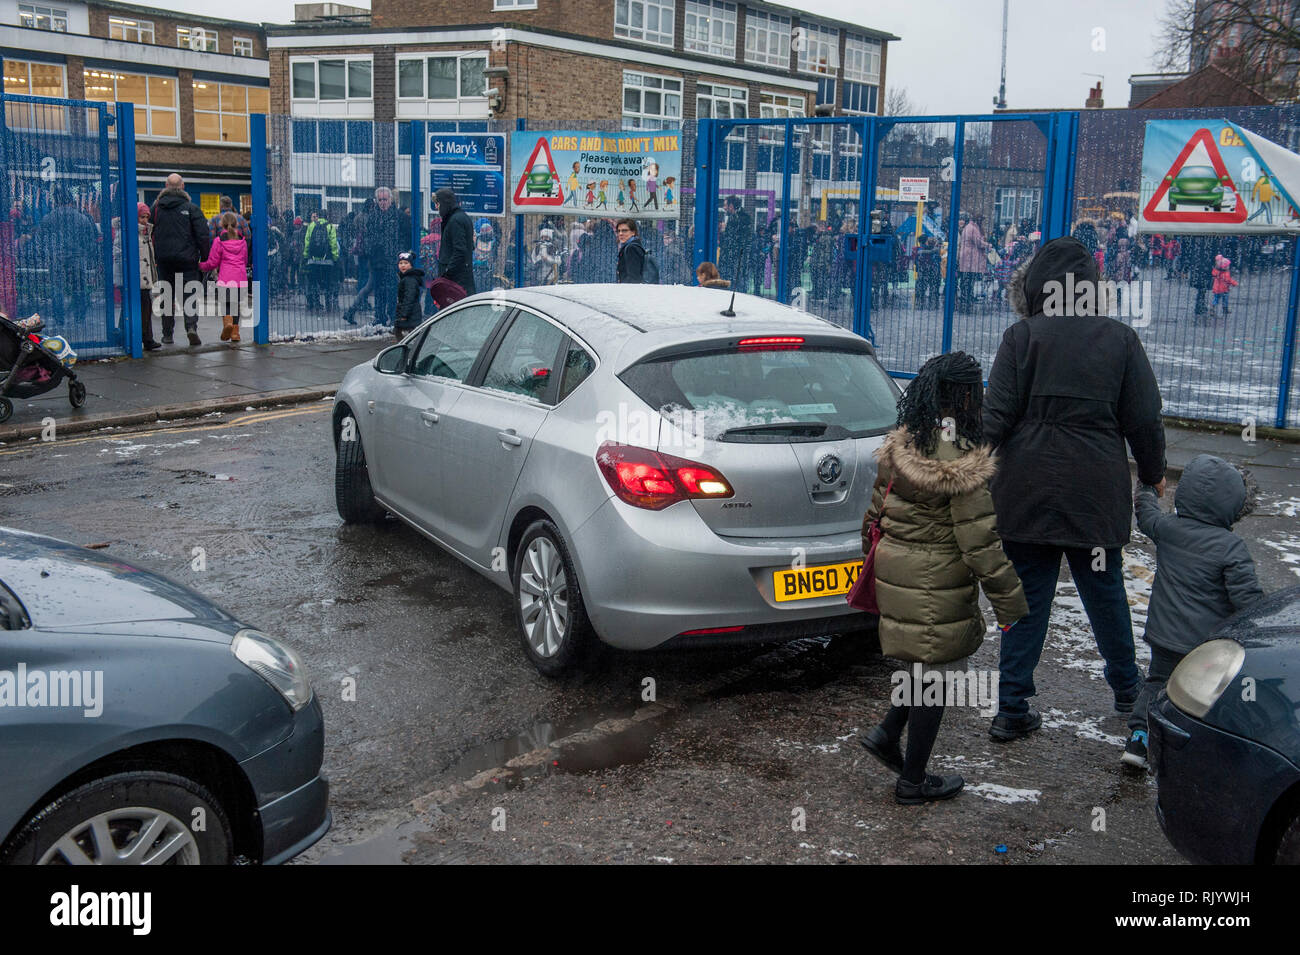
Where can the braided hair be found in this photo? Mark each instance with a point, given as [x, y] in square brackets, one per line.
[951, 384]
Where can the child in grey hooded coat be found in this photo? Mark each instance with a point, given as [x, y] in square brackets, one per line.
[1204, 573]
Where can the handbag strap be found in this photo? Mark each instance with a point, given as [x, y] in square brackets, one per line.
[889, 487]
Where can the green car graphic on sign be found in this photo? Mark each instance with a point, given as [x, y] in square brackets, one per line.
[1198, 186]
[541, 180]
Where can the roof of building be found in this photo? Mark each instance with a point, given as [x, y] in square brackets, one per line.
[1208, 86]
[150, 13]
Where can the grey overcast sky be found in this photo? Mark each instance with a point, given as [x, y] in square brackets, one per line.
[950, 51]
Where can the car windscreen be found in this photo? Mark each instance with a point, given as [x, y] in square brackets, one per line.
[735, 394]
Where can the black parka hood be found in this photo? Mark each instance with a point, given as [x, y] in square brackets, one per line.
[171, 198]
[1052, 263]
[1212, 491]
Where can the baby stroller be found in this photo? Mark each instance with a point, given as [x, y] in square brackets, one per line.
[29, 368]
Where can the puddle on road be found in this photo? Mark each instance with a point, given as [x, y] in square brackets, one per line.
[386, 848]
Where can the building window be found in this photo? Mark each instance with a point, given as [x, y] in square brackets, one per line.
[124, 28]
[780, 106]
[334, 136]
[651, 102]
[648, 20]
[156, 113]
[332, 80]
[514, 4]
[221, 111]
[242, 46]
[43, 18]
[713, 101]
[860, 98]
[767, 39]
[710, 28]
[442, 77]
[861, 59]
[819, 48]
[771, 142]
[1013, 203]
[34, 79]
[197, 39]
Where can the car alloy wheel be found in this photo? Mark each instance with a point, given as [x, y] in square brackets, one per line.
[544, 597]
[129, 836]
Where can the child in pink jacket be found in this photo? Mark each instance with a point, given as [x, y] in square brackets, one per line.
[1223, 281]
[229, 256]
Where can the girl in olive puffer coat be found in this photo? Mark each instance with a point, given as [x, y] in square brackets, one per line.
[940, 544]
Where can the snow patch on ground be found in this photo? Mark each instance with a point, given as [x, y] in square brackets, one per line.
[1003, 794]
[123, 448]
[338, 334]
[1288, 548]
[1289, 507]
[1085, 727]
[1069, 633]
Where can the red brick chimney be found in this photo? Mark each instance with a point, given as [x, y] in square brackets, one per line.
[1094, 98]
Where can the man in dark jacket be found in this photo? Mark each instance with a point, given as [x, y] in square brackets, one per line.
[737, 242]
[381, 240]
[1198, 258]
[456, 248]
[409, 286]
[180, 242]
[68, 244]
[631, 254]
[1068, 388]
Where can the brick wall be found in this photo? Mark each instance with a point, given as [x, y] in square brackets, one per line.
[164, 28]
[549, 85]
[585, 17]
[180, 156]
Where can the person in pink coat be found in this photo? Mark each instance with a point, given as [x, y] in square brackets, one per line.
[229, 256]
[972, 261]
[1223, 280]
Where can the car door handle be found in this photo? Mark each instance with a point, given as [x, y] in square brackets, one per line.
[429, 417]
[510, 438]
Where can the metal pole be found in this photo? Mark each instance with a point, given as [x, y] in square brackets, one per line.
[706, 213]
[417, 210]
[521, 124]
[783, 289]
[866, 199]
[953, 274]
[262, 224]
[1289, 342]
[130, 230]
[106, 222]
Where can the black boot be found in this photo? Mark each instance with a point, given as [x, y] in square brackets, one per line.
[931, 789]
[877, 742]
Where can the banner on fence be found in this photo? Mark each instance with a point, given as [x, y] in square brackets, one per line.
[473, 164]
[1216, 176]
[576, 172]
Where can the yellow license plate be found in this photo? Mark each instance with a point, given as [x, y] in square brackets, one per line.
[825, 580]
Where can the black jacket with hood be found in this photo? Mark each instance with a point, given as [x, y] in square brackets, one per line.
[631, 261]
[180, 233]
[1204, 573]
[456, 250]
[1065, 394]
[409, 285]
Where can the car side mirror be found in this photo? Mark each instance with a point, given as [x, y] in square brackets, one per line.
[392, 361]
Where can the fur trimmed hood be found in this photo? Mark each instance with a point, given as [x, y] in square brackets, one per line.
[950, 476]
[1025, 288]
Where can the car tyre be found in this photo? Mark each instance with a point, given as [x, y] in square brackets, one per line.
[549, 610]
[6, 410]
[122, 809]
[1288, 849]
[353, 495]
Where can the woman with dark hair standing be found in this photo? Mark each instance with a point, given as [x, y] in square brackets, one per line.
[939, 545]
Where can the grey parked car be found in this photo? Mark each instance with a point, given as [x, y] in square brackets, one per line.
[140, 724]
[650, 466]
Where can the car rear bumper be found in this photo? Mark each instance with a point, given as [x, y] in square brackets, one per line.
[651, 576]
[1215, 789]
[292, 795]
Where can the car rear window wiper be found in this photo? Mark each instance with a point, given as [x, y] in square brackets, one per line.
[784, 431]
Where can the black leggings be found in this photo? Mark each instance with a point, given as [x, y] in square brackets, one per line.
[922, 724]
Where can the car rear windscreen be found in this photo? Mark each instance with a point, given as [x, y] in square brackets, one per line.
[721, 393]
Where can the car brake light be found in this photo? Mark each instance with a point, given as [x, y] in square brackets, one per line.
[771, 343]
[651, 480]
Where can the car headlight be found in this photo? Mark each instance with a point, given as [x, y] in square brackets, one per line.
[1200, 679]
[275, 663]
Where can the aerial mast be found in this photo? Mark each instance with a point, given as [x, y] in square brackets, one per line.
[1000, 101]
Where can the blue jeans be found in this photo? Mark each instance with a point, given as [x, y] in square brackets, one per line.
[1104, 600]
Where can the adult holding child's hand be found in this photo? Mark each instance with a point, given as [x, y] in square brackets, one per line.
[1068, 390]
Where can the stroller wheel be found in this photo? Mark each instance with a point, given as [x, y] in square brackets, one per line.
[6, 409]
[76, 393]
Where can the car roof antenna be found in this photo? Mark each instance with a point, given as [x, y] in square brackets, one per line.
[730, 310]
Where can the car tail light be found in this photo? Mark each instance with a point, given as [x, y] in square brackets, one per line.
[653, 480]
[771, 343]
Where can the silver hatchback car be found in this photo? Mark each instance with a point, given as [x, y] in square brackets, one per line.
[650, 466]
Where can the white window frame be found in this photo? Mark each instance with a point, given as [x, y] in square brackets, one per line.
[713, 17]
[773, 27]
[242, 46]
[862, 60]
[782, 105]
[1019, 195]
[731, 95]
[32, 110]
[185, 37]
[351, 107]
[148, 105]
[514, 4]
[820, 52]
[126, 26]
[667, 86]
[221, 113]
[58, 16]
[660, 37]
[423, 60]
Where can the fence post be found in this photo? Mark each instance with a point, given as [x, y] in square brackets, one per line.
[953, 273]
[130, 231]
[1288, 343]
[262, 223]
[106, 219]
[417, 210]
[1060, 175]
[866, 200]
[706, 213]
[521, 124]
[782, 289]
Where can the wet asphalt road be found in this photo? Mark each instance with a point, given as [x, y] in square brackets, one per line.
[455, 749]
